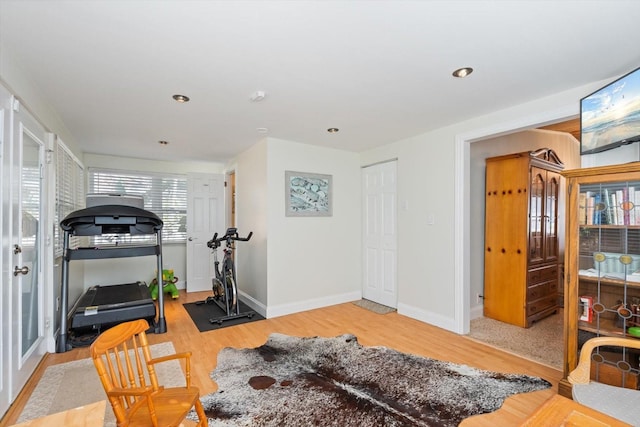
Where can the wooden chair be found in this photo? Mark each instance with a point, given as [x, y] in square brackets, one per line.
[618, 402]
[123, 361]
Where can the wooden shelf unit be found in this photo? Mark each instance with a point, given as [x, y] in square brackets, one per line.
[600, 262]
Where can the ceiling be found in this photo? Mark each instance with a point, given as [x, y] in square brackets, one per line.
[380, 71]
[570, 126]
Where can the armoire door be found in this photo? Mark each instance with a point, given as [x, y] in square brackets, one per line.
[537, 217]
[551, 237]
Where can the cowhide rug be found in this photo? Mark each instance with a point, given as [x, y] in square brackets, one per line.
[292, 381]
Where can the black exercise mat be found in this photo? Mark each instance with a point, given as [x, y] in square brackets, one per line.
[201, 313]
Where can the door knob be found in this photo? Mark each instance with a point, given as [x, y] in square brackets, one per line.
[191, 239]
[17, 270]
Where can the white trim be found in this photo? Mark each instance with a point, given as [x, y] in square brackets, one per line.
[311, 304]
[462, 209]
[259, 307]
[461, 235]
[429, 317]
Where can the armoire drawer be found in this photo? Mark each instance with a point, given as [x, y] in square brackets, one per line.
[540, 290]
[539, 305]
[543, 274]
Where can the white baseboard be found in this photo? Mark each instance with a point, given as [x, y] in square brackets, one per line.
[435, 319]
[296, 307]
[256, 305]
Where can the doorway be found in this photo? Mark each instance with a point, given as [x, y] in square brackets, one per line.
[230, 198]
[489, 330]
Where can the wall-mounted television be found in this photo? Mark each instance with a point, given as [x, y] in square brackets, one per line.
[610, 116]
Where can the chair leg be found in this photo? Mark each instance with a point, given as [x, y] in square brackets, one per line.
[201, 415]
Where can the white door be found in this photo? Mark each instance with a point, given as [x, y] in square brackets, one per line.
[380, 233]
[27, 229]
[205, 216]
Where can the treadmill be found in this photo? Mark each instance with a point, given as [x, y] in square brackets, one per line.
[108, 305]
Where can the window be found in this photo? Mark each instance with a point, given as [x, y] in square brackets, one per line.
[164, 194]
[69, 192]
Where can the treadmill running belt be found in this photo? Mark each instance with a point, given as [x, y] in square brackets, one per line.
[118, 294]
[111, 304]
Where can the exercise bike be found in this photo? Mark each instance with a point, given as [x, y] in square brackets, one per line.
[225, 290]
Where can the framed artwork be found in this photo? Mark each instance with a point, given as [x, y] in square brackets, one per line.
[308, 194]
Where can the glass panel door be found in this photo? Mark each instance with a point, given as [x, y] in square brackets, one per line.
[536, 213]
[26, 274]
[609, 277]
[30, 195]
[551, 217]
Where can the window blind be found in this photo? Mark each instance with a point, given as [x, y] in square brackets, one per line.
[163, 194]
[70, 194]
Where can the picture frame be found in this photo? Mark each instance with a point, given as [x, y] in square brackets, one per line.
[308, 194]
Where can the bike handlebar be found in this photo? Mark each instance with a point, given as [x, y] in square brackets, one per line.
[230, 235]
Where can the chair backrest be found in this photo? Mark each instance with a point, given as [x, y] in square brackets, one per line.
[582, 373]
[120, 355]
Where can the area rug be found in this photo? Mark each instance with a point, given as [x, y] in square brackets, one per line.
[292, 381]
[374, 306]
[542, 342]
[201, 313]
[72, 384]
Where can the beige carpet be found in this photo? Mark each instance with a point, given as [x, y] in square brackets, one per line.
[542, 342]
[374, 306]
[72, 384]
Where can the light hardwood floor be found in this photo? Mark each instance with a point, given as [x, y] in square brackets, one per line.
[391, 330]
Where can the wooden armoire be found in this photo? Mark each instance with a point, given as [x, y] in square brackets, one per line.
[522, 253]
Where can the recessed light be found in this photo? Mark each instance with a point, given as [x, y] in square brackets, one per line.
[462, 72]
[163, 142]
[181, 98]
[262, 130]
[333, 130]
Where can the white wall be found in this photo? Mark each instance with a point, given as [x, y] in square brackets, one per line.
[252, 193]
[313, 261]
[127, 163]
[619, 155]
[568, 150]
[293, 264]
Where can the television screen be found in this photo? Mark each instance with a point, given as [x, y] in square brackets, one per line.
[610, 117]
